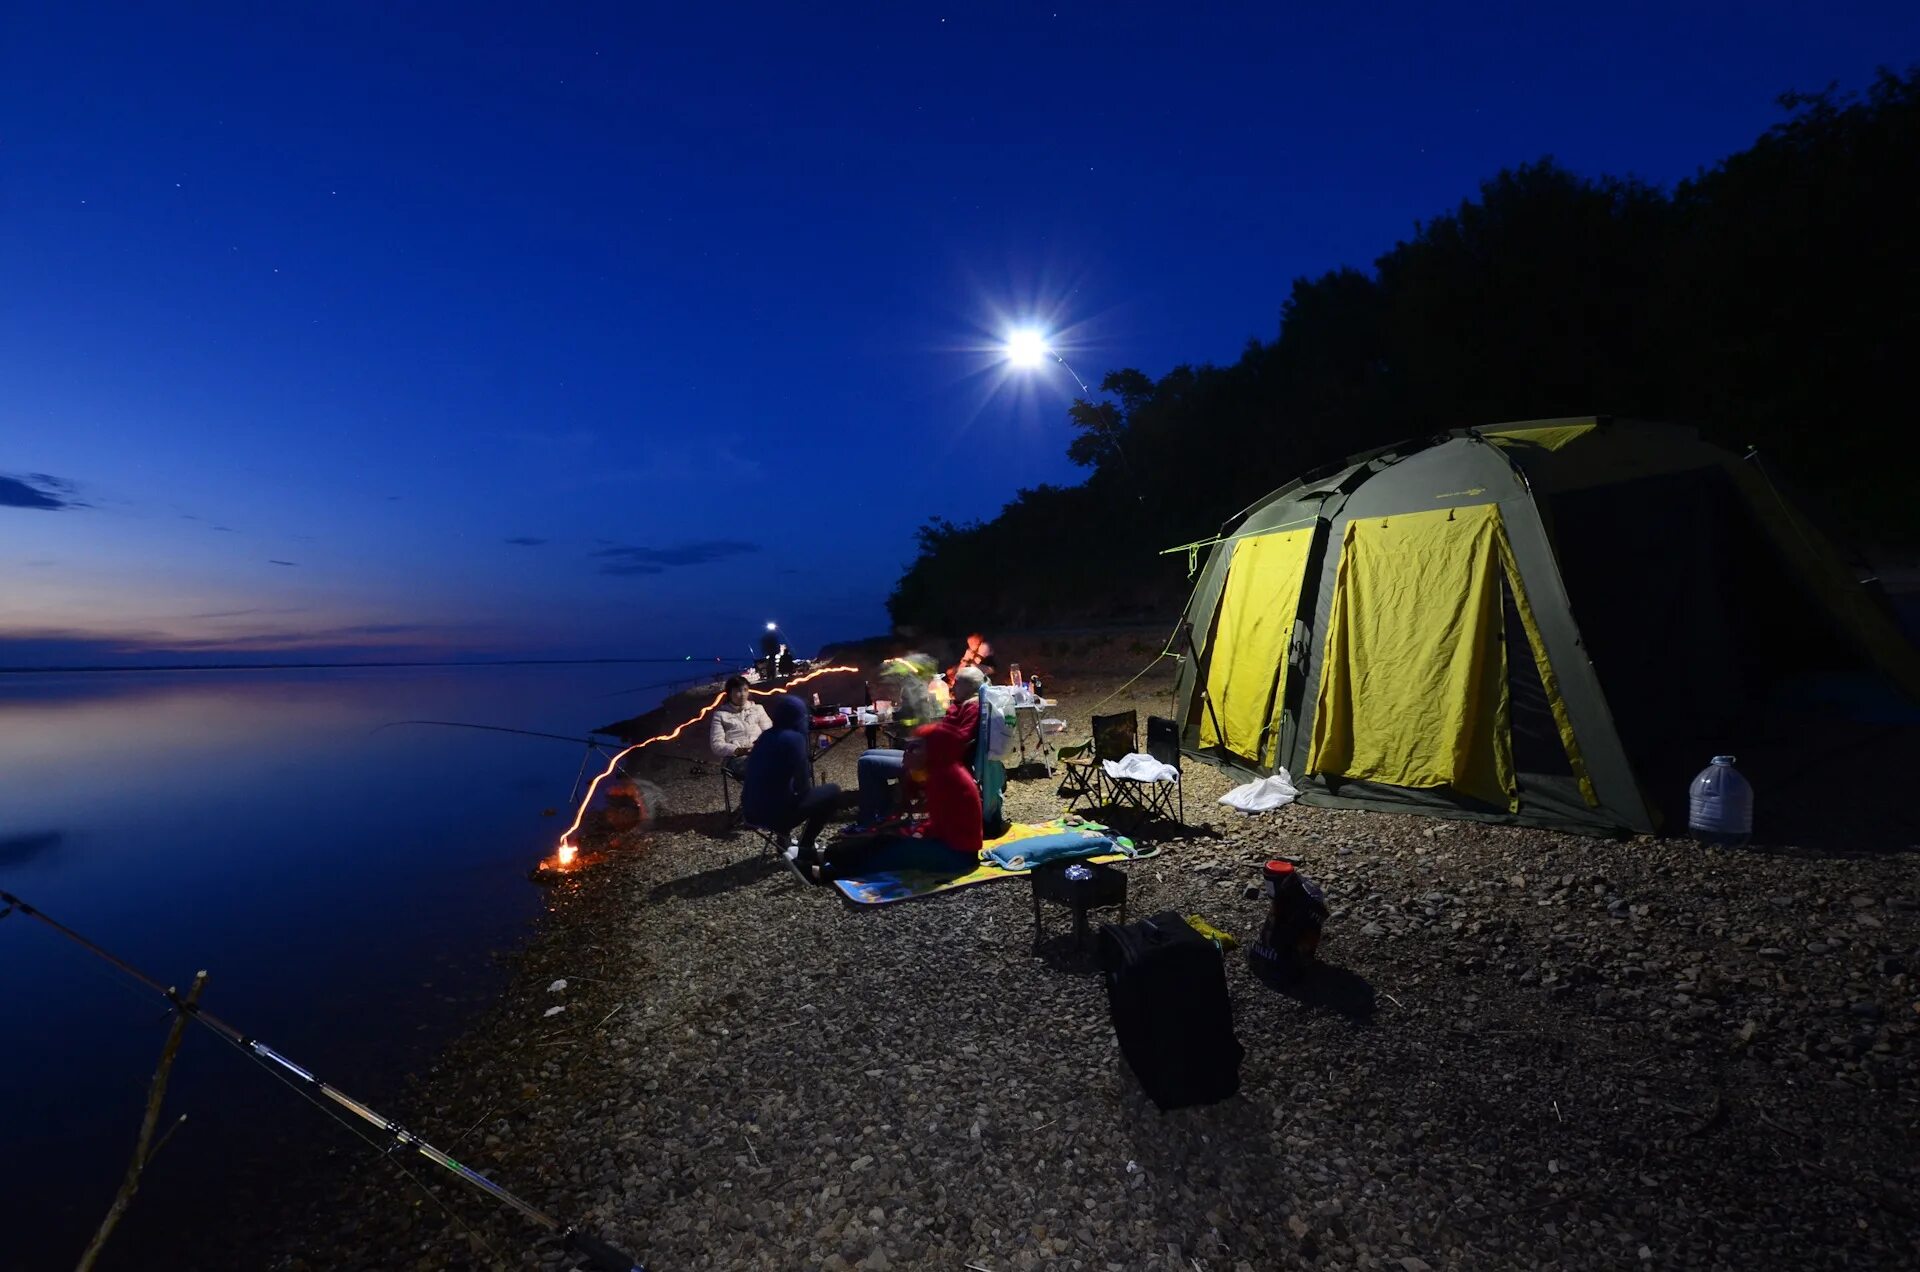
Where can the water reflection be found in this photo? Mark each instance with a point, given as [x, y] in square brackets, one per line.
[343, 884]
[17, 850]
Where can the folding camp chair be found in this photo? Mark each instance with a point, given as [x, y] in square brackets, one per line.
[1163, 744]
[1149, 797]
[773, 843]
[1084, 782]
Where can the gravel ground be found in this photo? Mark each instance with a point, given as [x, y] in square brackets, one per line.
[1524, 1050]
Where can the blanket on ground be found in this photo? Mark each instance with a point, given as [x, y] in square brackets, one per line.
[917, 869]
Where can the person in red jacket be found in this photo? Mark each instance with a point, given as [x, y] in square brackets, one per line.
[936, 758]
[953, 800]
[885, 785]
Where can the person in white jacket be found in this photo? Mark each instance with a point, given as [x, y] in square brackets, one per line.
[734, 725]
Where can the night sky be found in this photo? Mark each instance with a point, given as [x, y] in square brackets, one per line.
[393, 331]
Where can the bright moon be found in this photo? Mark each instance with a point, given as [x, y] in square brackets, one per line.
[1026, 348]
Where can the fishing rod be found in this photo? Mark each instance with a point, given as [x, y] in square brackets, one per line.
[591, 744]
[658, 684]
[599, 744]
[599, 1254]
[492, 728]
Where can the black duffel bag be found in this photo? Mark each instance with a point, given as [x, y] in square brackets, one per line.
[1167, 992]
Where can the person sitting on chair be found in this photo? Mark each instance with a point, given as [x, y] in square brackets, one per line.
[734, 726]
[881, 767]
[779, 792]
[937, 757]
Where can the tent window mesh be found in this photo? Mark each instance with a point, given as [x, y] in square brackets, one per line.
[1537, 747]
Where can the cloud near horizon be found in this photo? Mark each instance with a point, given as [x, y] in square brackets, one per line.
[41, 491]
[629, 560]
[257, 609]
[53, 647]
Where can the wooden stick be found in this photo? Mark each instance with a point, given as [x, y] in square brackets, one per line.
[177, 1122]
[156, 1094]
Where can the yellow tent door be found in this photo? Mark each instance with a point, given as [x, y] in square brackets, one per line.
[1413, 680]
[1246, 665]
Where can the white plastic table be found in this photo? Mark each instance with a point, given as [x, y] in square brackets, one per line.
[1036, 747]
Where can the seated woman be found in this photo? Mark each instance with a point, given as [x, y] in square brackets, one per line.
[734, 725]
[778, 792]
[882, 768]
[953, 810]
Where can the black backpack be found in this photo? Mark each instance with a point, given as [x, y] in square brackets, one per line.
[1167, 992]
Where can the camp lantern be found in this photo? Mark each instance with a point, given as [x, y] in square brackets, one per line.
[1546, 623]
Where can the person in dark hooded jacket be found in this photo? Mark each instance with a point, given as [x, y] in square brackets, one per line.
[778, 792]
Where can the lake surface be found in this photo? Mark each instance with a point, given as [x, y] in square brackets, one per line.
[346, 886]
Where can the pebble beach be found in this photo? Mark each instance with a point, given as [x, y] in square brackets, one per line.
[1523, 1049]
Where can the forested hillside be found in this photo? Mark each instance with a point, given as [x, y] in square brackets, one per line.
[1773, 300]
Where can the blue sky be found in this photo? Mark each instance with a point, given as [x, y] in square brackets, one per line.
[450, 330]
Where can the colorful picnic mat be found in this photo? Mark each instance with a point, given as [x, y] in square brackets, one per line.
[914, 868]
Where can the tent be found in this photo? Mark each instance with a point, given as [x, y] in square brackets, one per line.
[1552, 623]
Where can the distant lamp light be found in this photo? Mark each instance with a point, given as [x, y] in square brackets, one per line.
[773, 627]
[1027, 347]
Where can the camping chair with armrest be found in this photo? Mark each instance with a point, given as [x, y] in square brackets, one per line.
[1144, 796]
[1084, 782]
[773, 843]
[1167, 797]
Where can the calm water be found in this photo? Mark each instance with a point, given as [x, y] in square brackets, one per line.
[345, 887]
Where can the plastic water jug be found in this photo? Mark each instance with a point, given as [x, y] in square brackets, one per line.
[1720, 804]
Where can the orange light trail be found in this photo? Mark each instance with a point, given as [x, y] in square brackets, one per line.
[568, 848]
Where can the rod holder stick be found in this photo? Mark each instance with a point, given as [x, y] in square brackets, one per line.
[156, 1096]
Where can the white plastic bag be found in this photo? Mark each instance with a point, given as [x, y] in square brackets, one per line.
[997, 726]
[1263, 793]
[1003, 739]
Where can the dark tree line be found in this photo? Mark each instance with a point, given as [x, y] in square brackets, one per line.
[1773, 300]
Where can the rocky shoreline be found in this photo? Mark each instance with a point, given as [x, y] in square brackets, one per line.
[1526, 1050]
